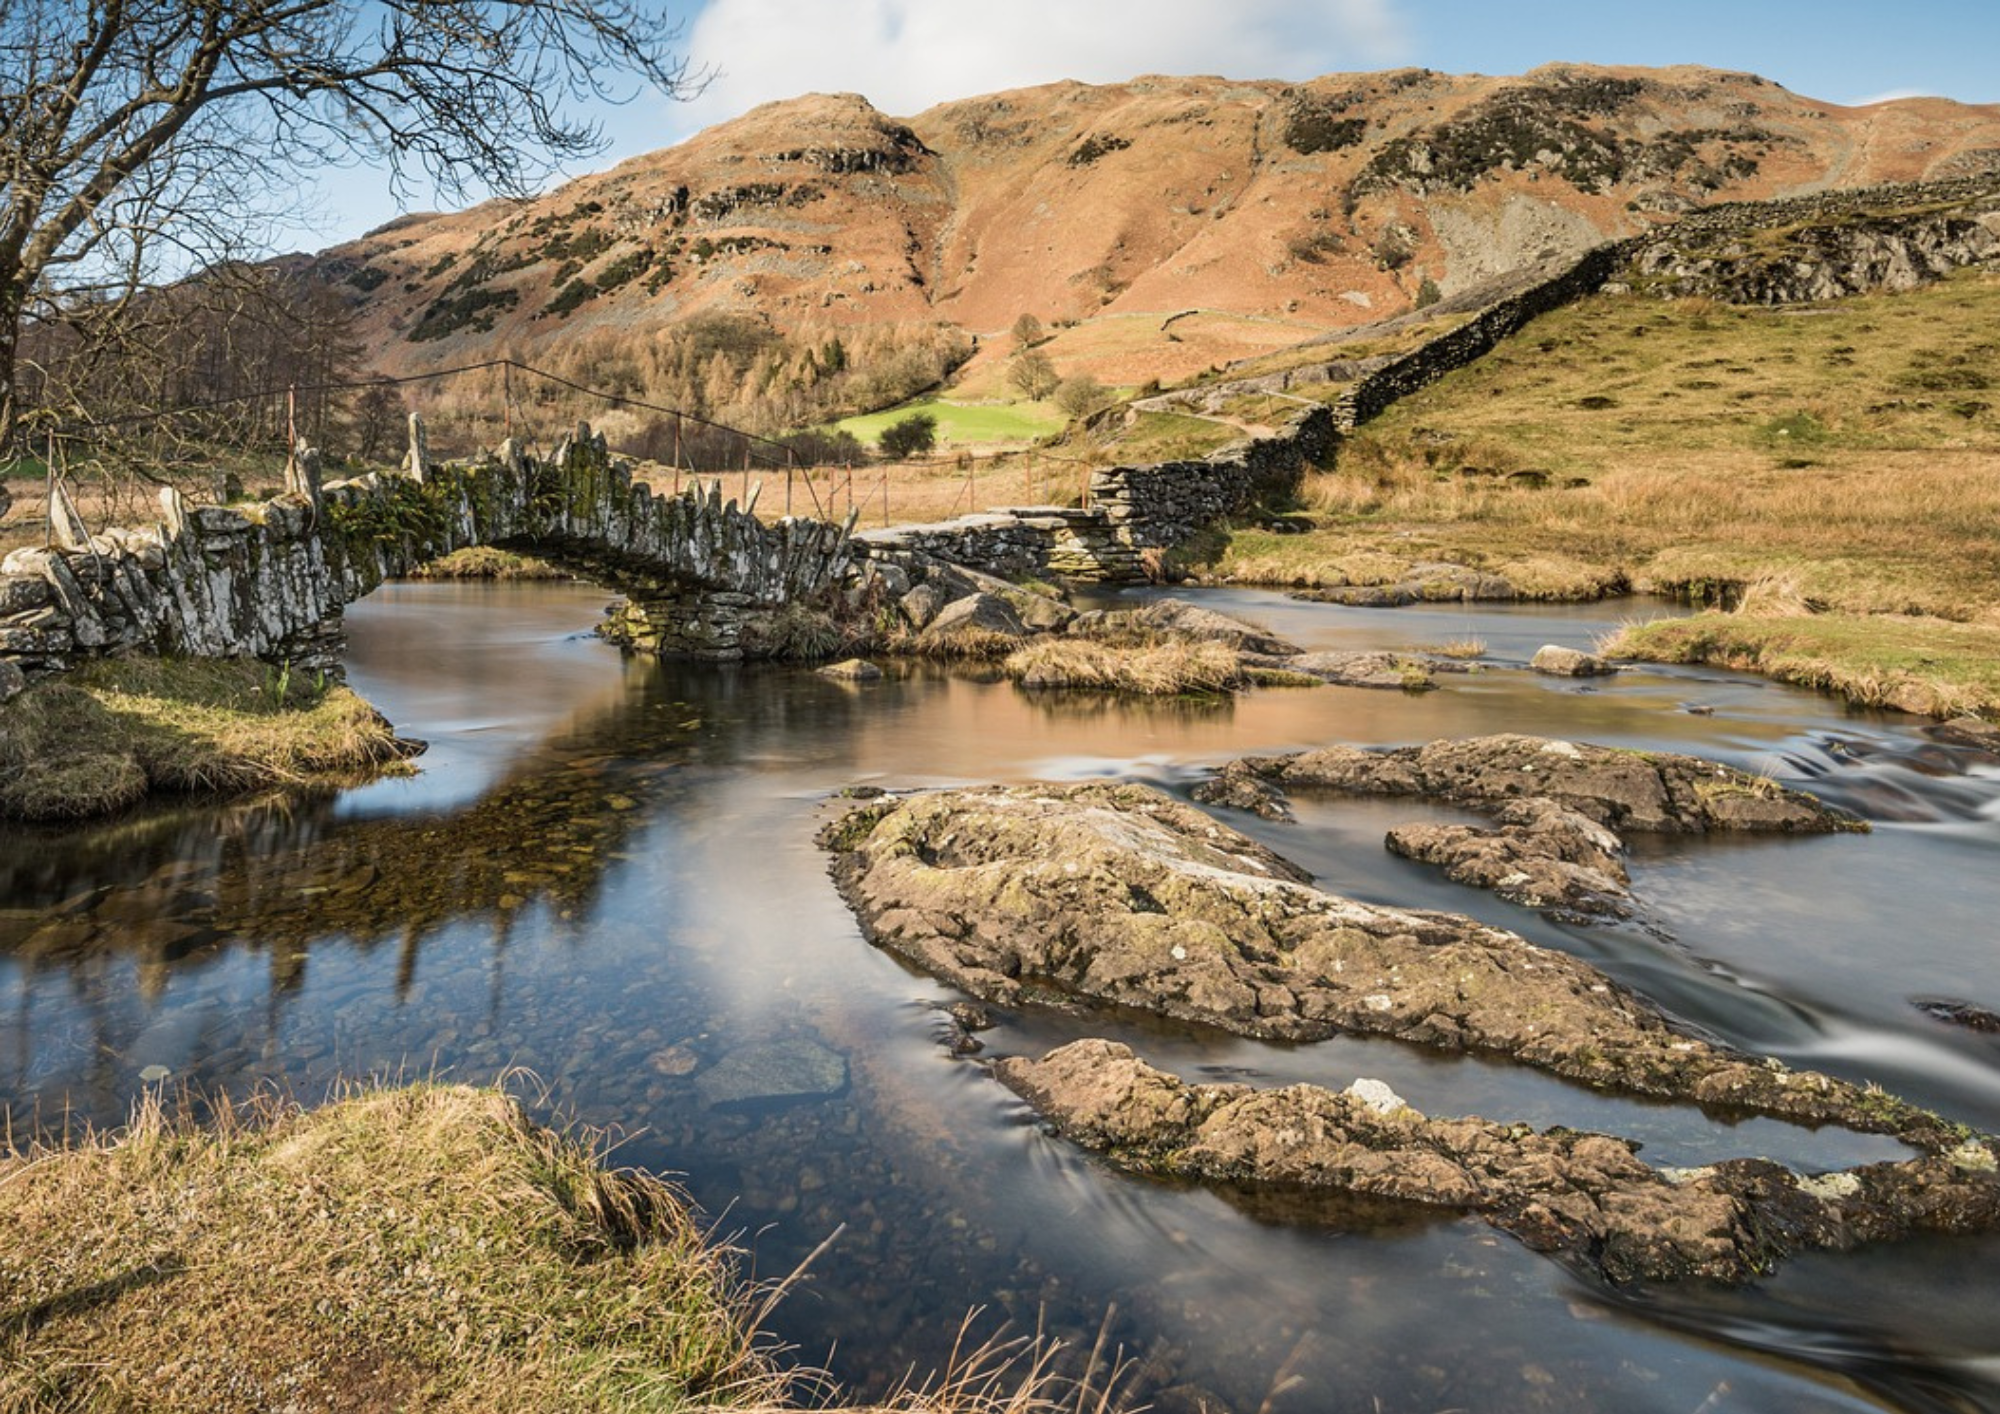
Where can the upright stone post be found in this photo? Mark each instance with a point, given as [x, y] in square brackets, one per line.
[419, 455]
[65, 524]
[302, 472]
[173, 512]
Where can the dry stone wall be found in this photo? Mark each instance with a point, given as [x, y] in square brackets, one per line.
[1134, 508]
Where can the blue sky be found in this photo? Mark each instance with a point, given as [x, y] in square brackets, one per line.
[908, 54]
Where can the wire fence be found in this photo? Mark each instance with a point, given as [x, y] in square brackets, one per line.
[232, 445]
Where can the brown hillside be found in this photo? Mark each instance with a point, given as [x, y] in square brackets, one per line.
[1276, 211]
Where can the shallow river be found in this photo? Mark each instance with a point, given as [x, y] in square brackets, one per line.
[605, 877]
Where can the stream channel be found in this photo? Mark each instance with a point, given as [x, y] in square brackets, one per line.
[605, 876]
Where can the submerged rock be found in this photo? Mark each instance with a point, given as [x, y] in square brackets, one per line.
[1969, 732]
[1117, 894]
[1958, 1013]
[1587, 1197]
[773, 1072]
[852, 670]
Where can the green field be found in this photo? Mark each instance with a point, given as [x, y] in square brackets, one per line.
[963, 424]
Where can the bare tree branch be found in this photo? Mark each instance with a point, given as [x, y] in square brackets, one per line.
[130, 127]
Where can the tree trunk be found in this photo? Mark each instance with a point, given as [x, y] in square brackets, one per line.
[13, 302]
[10, 335]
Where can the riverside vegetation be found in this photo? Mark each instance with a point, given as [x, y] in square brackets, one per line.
[1820, 475]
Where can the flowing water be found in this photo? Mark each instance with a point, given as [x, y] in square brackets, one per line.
[605, 875]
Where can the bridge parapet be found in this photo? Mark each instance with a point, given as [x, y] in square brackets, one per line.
[269, 579]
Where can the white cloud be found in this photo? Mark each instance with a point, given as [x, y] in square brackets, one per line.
[1890, 96]
[906, 55]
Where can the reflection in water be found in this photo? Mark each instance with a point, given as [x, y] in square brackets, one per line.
[606, 875]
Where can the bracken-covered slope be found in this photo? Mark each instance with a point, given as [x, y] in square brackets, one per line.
[1188, 220]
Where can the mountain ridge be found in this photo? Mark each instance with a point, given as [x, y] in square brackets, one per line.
[1277, 211]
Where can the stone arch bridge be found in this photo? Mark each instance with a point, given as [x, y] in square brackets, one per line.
[269, 579]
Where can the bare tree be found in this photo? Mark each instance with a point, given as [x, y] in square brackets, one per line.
[1033, 374]
[135, 135]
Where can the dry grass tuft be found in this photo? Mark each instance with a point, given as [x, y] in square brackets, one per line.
[486, 562]
[1776, 594]
[423, 1247]
[112, 732]
[1157, 668]
[964, 642]
[1460, 648]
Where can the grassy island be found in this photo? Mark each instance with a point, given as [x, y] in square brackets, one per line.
[112, 732]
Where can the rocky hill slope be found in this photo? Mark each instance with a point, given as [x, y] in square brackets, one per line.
[1178, 221]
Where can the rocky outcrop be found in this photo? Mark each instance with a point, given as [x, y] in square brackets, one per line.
[1541, 855]
[1105, 894]
[1650, 791]
[1376, 667]
[1587, 1198]
[1560, 808]
[1178, 618]
[1823, 247]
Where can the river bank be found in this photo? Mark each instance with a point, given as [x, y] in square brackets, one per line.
[420, 1247]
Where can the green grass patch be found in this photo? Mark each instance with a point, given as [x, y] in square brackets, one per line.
[1169, 436]
[1926, 666]
[964, 424]
[107, 735]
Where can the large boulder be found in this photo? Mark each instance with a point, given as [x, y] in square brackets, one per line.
[1554, 660]
[1176, 618]
[981, 622]
[1429, 582]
